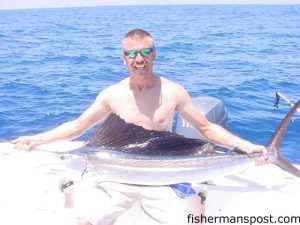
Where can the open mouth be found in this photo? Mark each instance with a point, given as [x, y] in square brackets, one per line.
[140, 67]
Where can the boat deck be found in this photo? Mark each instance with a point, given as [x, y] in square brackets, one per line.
[29, 195]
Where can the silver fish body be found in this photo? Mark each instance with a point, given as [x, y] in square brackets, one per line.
[150, 170]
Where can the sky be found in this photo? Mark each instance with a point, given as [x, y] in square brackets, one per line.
[17, 4]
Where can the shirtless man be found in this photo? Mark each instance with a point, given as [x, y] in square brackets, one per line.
[143, 99]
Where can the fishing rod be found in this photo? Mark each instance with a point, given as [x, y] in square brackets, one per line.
[280, 95]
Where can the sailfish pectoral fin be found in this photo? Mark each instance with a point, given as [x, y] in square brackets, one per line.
[276, 140]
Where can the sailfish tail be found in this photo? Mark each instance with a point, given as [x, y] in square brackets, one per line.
[276, 140]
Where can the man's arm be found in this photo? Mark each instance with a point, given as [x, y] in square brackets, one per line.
[211, 131]
[69, 130]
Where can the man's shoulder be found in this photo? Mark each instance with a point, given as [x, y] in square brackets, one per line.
[174, 90]
[170, 85]
[114, 91]
[117, 86]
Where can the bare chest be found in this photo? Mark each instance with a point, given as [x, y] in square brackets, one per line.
[151, 112]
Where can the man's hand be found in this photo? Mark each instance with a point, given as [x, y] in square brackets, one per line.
[252, 148]
[25, 143]
[262, 149]
[264, 158]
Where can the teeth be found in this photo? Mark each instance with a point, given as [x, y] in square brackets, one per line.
[140, 67]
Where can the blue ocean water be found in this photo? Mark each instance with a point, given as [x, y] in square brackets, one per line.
[54, 62]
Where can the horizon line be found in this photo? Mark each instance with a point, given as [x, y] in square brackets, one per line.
[146, 4]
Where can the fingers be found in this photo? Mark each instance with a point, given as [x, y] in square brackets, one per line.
[265, 154]
[25, 143]
[264, 158]
[15, 141]
[262, 149]
[23, 147]
[261, 161]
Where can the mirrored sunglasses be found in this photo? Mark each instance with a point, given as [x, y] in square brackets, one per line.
[134, 53]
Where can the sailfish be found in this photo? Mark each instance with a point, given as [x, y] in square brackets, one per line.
[126, 153]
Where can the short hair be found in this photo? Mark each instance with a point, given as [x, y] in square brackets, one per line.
[138, 34]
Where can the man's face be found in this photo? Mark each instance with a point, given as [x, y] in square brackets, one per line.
[138, 65]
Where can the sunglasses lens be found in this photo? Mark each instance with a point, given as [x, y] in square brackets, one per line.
[145, 51]
[131, 54]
